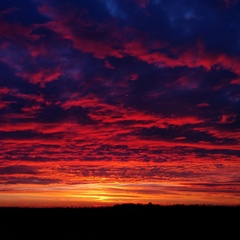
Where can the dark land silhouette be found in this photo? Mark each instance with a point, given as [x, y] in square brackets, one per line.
[124, 221]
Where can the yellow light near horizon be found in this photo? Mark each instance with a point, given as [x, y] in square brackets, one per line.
[103, 194]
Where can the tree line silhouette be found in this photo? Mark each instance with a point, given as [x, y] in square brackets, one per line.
[121, 221]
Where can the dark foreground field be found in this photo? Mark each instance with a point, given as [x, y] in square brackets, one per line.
[127, 221]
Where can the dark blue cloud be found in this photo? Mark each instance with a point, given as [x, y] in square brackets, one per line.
[24, 13]
[18, 169]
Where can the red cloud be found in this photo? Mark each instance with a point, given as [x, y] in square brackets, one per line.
[110, 41]
[83, 39]
[106, 113]
[203, 105]
[236, 81]
[133, 76]
[194, 57]
[13, 31]
[5, 104]
[220, 133]
[108, 65]
[228, 118]
[32, 110]
[42, 76]
[4, 91]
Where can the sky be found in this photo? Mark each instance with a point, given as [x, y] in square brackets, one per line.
[104, 102]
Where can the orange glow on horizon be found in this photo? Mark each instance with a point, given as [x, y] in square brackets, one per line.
[108, 194]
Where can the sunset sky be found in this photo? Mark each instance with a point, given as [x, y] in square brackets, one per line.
[105, 102]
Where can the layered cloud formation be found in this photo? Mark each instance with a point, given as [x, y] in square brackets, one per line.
[111, 101]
